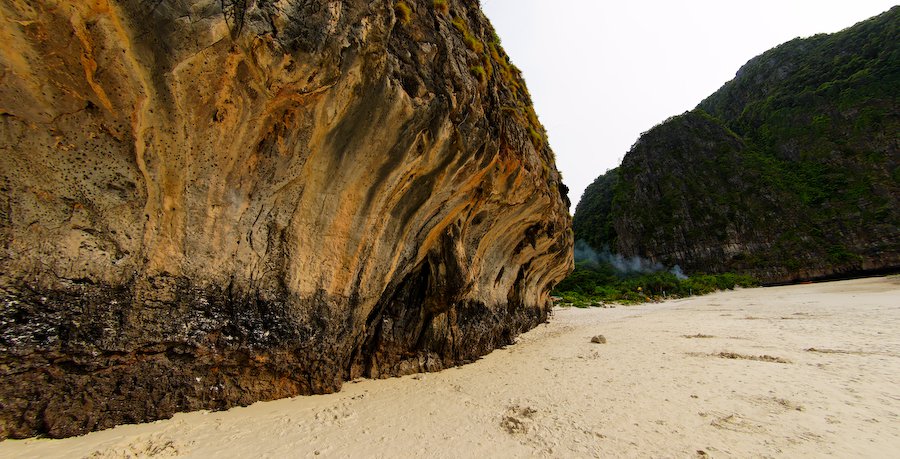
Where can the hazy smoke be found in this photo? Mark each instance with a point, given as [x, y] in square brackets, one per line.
[624, 265]
[676, 270]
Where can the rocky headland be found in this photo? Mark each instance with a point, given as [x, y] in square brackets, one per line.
[208, 203]
[791, 171]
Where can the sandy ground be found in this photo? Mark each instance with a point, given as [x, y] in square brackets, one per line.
[798, 371]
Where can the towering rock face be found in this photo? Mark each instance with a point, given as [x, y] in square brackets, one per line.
[790, 171]
[206, 203]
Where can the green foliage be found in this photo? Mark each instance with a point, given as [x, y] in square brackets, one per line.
[839, 254]
[489, 69]
[473, 43]
[510, 74]
[593, 221]
[536, 138]
[495, 39]
[460, 24]
[404, 13]
[791, 159]
[493, 58]
[592, 284]
[479, 73]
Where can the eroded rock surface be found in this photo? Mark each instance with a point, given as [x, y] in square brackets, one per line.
[209, 203]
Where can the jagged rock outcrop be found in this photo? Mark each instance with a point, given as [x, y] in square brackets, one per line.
[790, 171]
[208, 203]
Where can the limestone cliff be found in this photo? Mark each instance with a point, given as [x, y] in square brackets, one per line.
[206, 203]
[790, 171]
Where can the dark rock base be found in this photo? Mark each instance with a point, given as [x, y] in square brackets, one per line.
[90, 357]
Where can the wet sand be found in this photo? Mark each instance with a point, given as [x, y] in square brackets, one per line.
[795, 371]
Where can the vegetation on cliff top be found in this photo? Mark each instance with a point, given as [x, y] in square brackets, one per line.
[789, 171]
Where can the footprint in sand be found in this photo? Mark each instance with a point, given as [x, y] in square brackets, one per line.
[531, 429]
[737, 423]
[736, 356]
[518, 419]
[145, 446]
[593, 355]
[335, 415]
[782, 404]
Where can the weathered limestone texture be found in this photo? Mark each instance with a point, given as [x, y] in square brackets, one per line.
[207, 203]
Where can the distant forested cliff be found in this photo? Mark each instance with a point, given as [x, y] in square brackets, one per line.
[790, 171]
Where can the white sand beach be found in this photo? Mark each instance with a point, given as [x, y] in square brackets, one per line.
[796, 371]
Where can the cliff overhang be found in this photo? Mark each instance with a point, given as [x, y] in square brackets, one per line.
[205, 204]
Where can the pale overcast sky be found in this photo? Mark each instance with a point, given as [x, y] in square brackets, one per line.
[602, 72]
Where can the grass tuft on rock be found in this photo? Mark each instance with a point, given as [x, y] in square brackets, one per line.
[403, 11]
